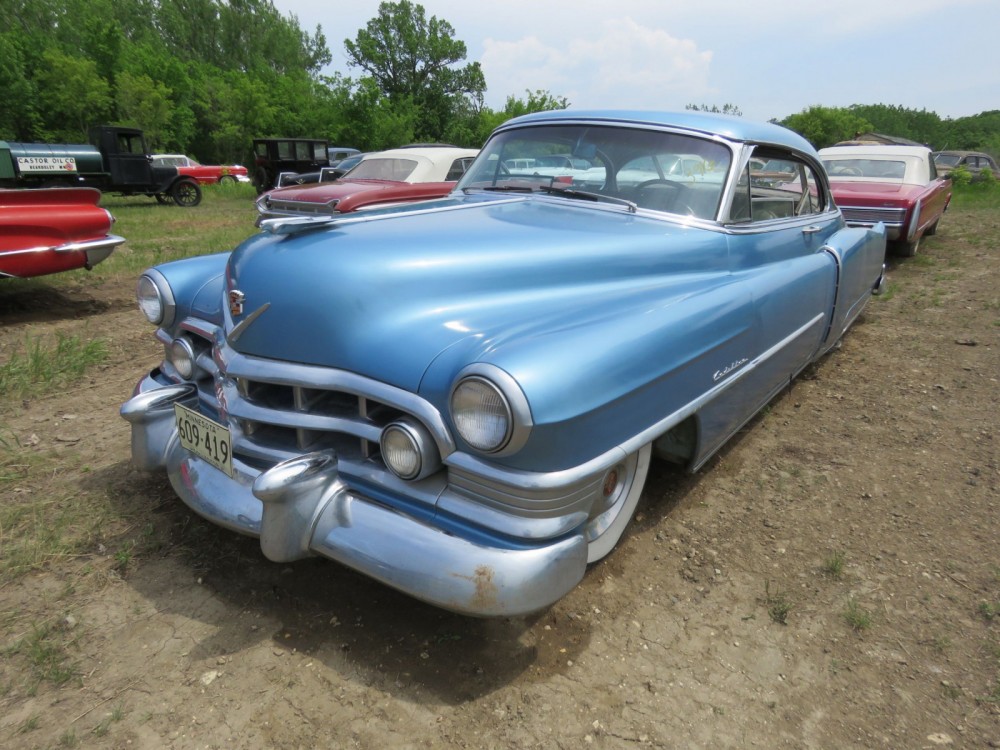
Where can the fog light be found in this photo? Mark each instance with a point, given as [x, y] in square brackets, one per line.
[400, 451]
[409, 450]
[182, 357]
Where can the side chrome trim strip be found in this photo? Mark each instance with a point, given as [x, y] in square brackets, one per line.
[540, 482]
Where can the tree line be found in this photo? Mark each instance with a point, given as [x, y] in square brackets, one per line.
[206, 77]
[824, 126]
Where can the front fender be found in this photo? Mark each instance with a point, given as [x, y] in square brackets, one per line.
[596, 385]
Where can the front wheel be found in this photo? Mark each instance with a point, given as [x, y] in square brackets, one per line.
[227, 180]
[186, 193]
[622, 488]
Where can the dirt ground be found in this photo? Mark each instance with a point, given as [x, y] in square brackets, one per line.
[831, 579]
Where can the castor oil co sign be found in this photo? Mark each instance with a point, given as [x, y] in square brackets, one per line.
[46, 164]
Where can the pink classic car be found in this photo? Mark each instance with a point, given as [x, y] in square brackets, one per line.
[896, 185]
[53, 230]
[380, 180]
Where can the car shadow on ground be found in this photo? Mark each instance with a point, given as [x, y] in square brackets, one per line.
[316, 607]
[34, 301]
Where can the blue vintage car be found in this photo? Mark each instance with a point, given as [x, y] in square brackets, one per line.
[461, 399]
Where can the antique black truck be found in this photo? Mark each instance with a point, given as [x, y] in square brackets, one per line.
[116, 160]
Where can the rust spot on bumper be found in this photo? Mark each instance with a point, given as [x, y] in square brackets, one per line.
[485, 598]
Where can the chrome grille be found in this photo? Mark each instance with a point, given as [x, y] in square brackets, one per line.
[293, 418]
[301, 208]
[863, 215]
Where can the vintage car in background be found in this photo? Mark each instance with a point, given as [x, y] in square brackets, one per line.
[337, 154]
[277, 157]
[974, 162]
[895, 185]
[378, 180]
[205, 174]
[52, 230]
[462, 398]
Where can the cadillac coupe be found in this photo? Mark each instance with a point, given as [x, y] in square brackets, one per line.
[462, 398]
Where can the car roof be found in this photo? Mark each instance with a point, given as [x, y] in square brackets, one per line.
[961, 153]
[432, 152]
[884, 151]
[735, 128]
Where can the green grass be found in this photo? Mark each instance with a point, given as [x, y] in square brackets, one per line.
[833, 566]
[45, 652]
[39, 530]
[156, 234]
[778, 605]
[859, 618]
[44, 364]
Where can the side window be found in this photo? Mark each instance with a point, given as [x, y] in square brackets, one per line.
[776, 185]
[458, 168]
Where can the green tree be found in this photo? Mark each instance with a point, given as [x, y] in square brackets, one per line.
[71, 95]
[145, 103]
[412, 61]
[917, 125]
[824, 126]
[19, 118]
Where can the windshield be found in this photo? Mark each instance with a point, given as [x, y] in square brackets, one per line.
[947, 160]
[384, 169]
[882, 169]
[667, 172]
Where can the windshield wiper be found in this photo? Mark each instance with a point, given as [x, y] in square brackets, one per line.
[502, 188]
[586, 195]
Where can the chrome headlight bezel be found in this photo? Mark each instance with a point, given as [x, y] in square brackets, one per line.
[511, 405]
[182, 356]
[155, 298]
[419, 442]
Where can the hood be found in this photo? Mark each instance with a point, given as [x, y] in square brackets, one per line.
[385, 296]
[323, 192]
[354, 194]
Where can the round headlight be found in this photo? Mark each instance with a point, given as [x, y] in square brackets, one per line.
[150, 300]
[400, 451]
[182, 357]
[481, 413]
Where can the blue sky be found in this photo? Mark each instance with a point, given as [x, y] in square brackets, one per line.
[771, 58]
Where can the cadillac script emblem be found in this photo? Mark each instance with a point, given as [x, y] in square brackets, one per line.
[236, 300]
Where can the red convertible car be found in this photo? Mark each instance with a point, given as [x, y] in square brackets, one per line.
[53, 230]
[206, 174]
[380, 180]
[896, 185]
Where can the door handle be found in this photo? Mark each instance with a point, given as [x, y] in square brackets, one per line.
[811, 229]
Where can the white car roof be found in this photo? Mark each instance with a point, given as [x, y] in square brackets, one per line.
[432, 164]
[916, 161]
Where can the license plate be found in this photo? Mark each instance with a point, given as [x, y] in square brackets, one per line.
[205, 438]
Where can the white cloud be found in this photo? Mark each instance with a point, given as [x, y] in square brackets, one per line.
[612, 68]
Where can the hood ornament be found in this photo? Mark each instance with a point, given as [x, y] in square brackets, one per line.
[236, 300]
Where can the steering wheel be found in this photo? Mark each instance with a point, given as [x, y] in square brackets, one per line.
[675, 205]
[849, 171]
[659, 181]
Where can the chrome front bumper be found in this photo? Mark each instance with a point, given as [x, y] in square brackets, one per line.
[300, 508]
